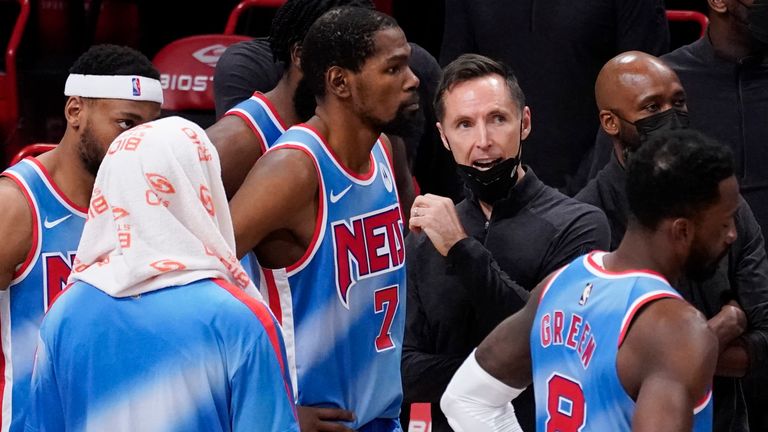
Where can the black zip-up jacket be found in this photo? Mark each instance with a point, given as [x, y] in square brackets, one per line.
[455, 301]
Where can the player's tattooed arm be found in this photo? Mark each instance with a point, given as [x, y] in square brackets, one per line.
[15, 230]
[666, 364]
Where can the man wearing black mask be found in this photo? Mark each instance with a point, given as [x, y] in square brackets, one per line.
[639, 96]
[472, 265]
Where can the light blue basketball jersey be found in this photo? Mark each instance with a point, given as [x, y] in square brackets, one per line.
[57, 224]
[342, 304]
[582, 319]
[259, 114]
[262, 118]
[198, 357]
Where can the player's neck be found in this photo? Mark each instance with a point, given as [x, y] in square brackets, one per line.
[349, 138]
[67, 171]
[282, 99]
[644, 250]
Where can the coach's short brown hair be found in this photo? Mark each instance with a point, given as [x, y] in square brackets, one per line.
[470, 66]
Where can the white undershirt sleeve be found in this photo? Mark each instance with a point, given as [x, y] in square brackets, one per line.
[475, 401]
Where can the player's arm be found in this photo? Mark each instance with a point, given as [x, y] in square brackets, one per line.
[15, 230]
[274, 196]
[238, 147]
[666, 363]
[748, 353]
[478, 397]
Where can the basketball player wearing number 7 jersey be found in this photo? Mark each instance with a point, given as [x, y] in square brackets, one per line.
[611, 345]
[322, 211]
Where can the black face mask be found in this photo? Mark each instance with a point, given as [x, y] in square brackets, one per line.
[649, 127]
[492, 184]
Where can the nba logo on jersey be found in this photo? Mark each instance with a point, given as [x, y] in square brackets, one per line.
[585, 294]
[136, 86]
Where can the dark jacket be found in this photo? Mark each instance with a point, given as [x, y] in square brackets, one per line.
[455, 301]
[728, 100]
[556, 48]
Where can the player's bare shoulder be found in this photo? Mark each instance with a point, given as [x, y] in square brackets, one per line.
[15, 229]
[280, 192]
[668, 337]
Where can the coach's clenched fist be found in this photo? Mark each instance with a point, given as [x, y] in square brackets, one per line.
[436, 216]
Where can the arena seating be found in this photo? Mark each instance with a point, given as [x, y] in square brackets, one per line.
[186, 67]
[9, 97]
[674, 16]
[234, 17]
[32, 150]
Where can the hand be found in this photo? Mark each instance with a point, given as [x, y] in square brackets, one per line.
[313, 419]
[437, 217]
[728, 324]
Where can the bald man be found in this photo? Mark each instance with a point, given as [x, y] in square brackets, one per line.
[639, 96]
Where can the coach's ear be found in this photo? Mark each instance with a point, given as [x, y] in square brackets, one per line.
[337, 82]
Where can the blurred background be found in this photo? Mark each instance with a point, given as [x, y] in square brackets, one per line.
[41, 39]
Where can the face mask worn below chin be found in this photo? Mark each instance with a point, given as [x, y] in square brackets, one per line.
[492, 184]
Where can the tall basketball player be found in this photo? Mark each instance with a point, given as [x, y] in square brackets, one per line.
[613, 347]
[110, 89]
[322, 210]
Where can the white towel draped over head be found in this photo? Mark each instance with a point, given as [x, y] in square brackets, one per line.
[158, 215]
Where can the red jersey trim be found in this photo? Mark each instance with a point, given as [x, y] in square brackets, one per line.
[703, 402]
[365, 177]
[274, 295]
[263, 315]
[34, 250]
[637, 305]
[58, 192]
[252, 126]
[592, 264]
[319, 219]
[271, 109]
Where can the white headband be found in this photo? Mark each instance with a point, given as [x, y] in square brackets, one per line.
[130, 87]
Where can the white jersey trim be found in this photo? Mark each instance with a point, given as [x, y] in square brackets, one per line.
[594, 260]
[285, 300]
